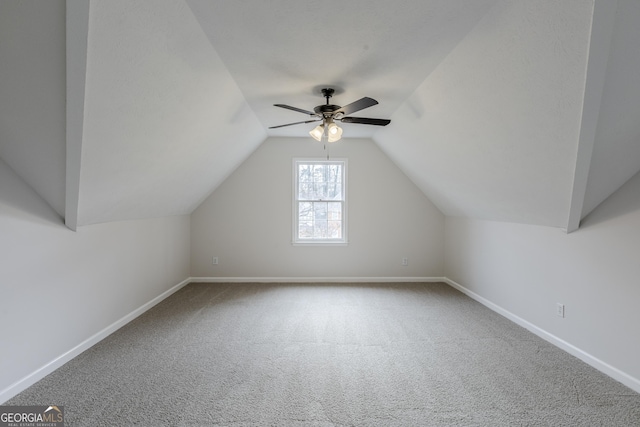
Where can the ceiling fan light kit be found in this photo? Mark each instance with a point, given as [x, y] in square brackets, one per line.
[334, 132]
[317, 133]
[328, 114]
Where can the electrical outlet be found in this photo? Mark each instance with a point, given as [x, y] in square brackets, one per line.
[405, 261]
[560, 309]
[214, 261]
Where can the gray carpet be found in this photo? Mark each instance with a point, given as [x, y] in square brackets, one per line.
[329, 355]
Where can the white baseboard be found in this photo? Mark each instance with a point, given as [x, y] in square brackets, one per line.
[17, 387]
[626, 379]
[314, 279]
[45, 370]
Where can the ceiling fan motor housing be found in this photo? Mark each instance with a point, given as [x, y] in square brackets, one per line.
[326, 110]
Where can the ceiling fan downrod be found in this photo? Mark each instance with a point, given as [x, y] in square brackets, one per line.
[326, 111]
[328, 93]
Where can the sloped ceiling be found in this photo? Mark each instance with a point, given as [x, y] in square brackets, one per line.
[286, 51]
[164, 121]
[493, 132]
[616, 153]
[520, 111]
[32, 95]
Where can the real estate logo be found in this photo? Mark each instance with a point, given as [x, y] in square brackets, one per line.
[32, 416]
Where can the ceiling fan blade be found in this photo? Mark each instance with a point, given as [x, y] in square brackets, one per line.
[360, 104]
[365, 121]
[296, 123]
[300, 110]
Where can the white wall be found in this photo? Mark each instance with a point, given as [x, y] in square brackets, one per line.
[246, 222]
[32, 95]
[594, 271]
[58, 288]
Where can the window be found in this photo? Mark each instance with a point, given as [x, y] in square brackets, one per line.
[319, 206]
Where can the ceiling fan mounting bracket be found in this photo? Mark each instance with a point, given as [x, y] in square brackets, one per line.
[328, 92]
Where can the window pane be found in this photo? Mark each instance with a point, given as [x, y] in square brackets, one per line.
[305, 211]
[334, 211]
[320, 191]
[305, 230]
[318, 173]
[305, 191]
[320, 229]
[304, 173]
[334, 191]
[335, 229]
[334, 173]
[320, 210]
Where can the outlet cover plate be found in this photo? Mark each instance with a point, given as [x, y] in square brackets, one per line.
[560, 309]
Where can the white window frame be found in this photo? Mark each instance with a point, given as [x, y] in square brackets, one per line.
[295, 208]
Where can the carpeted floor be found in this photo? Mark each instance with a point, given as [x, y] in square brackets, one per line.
[329, 355]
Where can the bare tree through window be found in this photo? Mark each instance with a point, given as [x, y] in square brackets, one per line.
[320, 200]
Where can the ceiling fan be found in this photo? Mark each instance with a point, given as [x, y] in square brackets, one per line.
[329, 114]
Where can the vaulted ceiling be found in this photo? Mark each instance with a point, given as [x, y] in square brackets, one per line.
[507, 110]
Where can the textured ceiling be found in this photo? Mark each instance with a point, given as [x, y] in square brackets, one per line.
[520, 111]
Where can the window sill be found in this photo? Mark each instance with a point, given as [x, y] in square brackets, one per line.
[320, 243]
